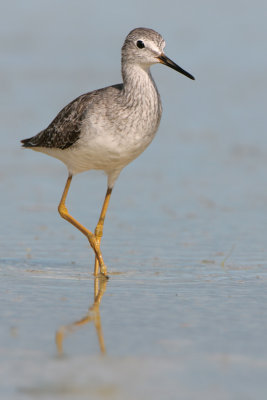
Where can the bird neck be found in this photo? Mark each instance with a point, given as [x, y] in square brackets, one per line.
[138, 83]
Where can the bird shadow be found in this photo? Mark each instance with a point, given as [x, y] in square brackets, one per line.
[93, 315]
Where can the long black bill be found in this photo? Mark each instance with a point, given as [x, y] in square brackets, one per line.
[166, 61]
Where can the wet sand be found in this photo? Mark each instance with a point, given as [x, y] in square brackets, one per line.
[183, 314]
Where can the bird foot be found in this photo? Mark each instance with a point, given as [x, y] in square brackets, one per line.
[99, 262]
[103, 271]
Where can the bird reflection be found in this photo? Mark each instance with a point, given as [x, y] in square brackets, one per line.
[93, 315]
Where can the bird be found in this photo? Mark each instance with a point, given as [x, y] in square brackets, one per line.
[108, 128]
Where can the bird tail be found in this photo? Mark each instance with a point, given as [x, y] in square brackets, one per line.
[28, 142]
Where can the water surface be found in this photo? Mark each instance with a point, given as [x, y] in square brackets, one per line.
[184, 312]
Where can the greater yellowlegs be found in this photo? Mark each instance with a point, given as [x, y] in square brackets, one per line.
[108, 128]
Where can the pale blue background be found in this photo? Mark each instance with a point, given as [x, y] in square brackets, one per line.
[187, 224]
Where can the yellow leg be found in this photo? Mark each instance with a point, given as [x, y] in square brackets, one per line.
[100, 225]
[62, 209]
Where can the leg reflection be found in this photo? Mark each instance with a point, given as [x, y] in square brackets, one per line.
[93, 315]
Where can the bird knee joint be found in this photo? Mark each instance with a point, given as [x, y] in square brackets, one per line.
[99, 231]
[62, 209]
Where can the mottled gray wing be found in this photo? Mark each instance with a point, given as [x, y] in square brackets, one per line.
[65, 129]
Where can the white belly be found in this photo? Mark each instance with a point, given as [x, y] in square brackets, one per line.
[103, 151]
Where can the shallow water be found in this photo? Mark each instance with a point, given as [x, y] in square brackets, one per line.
[183, 314]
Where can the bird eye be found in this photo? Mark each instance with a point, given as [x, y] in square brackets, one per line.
[140, 44]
